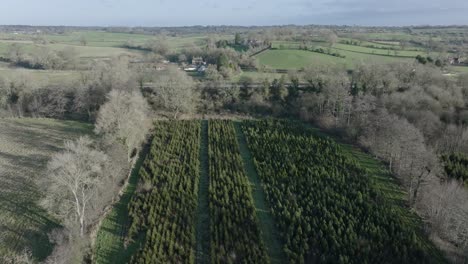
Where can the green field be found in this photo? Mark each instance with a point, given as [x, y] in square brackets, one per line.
[388, 52]
[82, 51]
[25, 147]
[39, 78]
[103, 40]
[297, 59]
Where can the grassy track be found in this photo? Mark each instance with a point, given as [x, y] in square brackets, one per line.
[203, 218]
[266, 223]
[109, 246]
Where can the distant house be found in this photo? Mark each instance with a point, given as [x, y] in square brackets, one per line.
[198, 61]
[456, 61]
[190, 68]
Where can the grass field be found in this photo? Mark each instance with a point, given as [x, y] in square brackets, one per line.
[25, 147]
[101, 41]
[459, 69]
[297, 59]
[82, 51]
[387, 52]
[39, 78]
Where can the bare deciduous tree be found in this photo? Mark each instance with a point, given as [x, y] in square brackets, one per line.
[73, 179]
[173, 90]
[124, 118]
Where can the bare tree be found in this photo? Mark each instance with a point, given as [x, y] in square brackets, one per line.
[15, 52]
[83, 40]
[159, 46]
[173, 90]
[46, 102]
[73, 179]
[445, 206]
[124, 118]
[331, 38]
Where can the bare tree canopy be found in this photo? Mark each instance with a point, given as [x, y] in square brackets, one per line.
[173, 90]
[124, 118]
[73, 179]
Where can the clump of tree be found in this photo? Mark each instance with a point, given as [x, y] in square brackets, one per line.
[73, 181]
[20, 96]
[322, 51]
[124, 118]
[430, 60]
[405, 114]
[172, 90]
[42, 57]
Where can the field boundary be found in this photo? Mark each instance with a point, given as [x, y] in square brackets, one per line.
[376, 54]
[269, 232]
[260, 51]
[117, 216]
[202, 228]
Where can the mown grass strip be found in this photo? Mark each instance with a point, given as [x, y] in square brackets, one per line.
[267, 225]
[203, 217]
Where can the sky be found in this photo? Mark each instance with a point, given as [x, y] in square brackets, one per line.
[233, 12]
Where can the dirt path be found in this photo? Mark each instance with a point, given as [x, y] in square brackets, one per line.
[270, 234]
[203, 220]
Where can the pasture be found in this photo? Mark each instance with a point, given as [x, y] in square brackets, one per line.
[297, 59]
[25, 147]
[39, 78]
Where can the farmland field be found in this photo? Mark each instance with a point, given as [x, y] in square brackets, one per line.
[164, 207]
[39, 78]
[297, 59]
[25, 147]
[358, 216]
[82, 51]
[100, 41]
[385, 52]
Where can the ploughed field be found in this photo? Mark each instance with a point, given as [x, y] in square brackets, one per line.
[271, 191]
